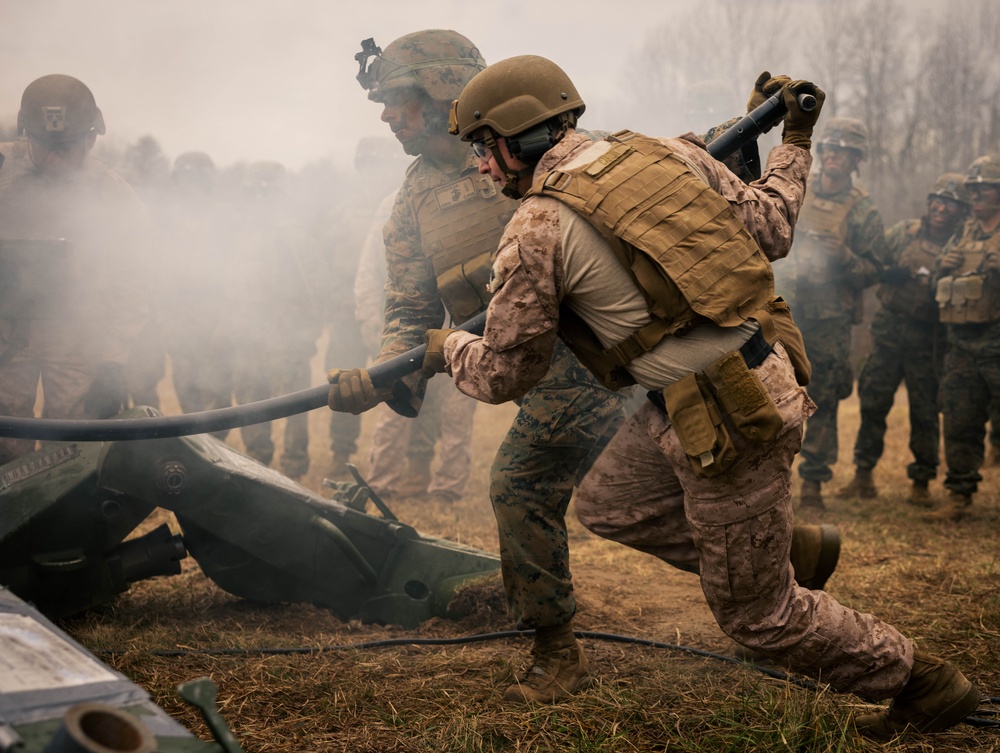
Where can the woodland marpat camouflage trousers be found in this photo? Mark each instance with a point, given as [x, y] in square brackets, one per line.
[563, 424]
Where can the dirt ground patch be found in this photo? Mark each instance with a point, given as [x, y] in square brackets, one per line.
[289, 684]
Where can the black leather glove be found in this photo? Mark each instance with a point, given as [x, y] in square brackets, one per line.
[799, 123]
[352, 391]
[764, 87]
[108, 394]
[434, 361]
[895, 276]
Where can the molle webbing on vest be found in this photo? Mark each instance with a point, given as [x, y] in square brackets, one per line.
[460, 227]
[640, 194]
[821, 238]
[971, 294]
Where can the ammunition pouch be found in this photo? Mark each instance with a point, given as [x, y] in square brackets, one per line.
[699, 426]
[699, 403]
[744, 398]
[464, 285]
[968, 299]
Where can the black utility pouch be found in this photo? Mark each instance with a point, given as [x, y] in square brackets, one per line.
[698, 422]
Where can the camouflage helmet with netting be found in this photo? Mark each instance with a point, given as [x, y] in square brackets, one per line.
[58, 108]
[950, 186]
[847, 133]
[439, 62]
[984, 170]
[513, 95]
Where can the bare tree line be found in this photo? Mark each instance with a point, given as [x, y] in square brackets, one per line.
[923, 77]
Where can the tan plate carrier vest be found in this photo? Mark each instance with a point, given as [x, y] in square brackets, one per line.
[970, 294]
[461, 223]
[821, 230]
[915, 297]
[685, 248]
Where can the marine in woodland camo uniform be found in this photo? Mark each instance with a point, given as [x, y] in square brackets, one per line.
[908, 342]
[968, 292]
[566, 417]
[731, 523]
[823, 279]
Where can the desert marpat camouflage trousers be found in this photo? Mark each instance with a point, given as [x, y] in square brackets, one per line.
[735, 530]
[903, 350]
[563, 424]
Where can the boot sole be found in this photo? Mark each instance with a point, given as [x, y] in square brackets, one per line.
[829, 555]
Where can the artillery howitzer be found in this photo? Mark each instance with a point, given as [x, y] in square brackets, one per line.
[66, 510]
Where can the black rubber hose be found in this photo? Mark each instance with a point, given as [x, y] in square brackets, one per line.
[158, 427]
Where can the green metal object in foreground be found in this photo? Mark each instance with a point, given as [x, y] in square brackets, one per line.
[65, 513]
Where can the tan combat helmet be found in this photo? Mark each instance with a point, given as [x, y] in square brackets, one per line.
[951, 186]
[58, 109]
[513, 95]
[847, 133]
[984, 171]
[439, 62]
[528, 100]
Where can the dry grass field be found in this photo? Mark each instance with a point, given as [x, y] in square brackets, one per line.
[939, 583]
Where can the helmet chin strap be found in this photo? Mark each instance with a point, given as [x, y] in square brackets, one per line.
[512, 178]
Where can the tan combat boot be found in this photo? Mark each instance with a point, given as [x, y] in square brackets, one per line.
[815, 551]
[416, 479]
[920, 495]
[862, 486]
[811, 495]
[937, 696]
[559, 668]
[954, 509]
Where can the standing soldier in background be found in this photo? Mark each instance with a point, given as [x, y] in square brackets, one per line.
[968, 293]
[838, 252]
[444, 230]
[277, 311]
[908, 343]
[74, 242]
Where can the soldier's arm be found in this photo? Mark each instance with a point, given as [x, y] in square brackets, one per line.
[768, 207]
[869, 252]
[523, 316]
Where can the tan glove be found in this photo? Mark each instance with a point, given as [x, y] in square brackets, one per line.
[352, 391]
[434, 360]
[799, 123]
[764, 87]
[951, 260]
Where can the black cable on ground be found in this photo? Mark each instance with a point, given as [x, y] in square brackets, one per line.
[974, 721]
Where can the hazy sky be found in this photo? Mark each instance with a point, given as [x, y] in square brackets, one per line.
[274, 79]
